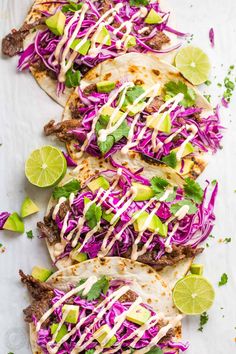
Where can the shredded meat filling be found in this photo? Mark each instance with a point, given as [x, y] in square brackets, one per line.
[158, 41]
[169, 259]
[42, 294]
[62, 129]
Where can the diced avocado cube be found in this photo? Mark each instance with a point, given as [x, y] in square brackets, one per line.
[197, 269]
[131, 41]
[105, 86]
[101, 334]
[83, 49]
[97, 183]
[139, 315]
[28, 207]
[73, 313]
[142, 192]
[108, 111]
[109, 217]
[155, 224]
[62, 332]
[188, 164]
[104, 37]
[56, 23]
[41, 274]
[187, 150]
[133, 110]
[165, 126]
[153, 18]
[14, 223]
[78, 257]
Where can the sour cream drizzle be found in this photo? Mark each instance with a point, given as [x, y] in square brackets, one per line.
[57, 207]
[128, 25]
[194, 131]
[85, 287]
[111, 128]
[66, 66]
[112, 97]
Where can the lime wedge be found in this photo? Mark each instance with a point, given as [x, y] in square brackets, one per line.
[45, 167]
[193, 64]
[193, 295]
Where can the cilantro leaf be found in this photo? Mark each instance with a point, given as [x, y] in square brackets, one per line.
[223, 279]
[155, 350]
[93, 215]
[227, 240]
[138, 2]
[72, 78]
[30, 234]
[68, 188]
[203, 320]
[133, 93]
[193, 190]
[170, 160]
[90, 351]
[118, 134]
[176, 207]
[159, 185]
[101, 286]
[72, 6]
[172, 88]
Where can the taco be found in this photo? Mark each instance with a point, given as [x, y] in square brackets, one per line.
[117, 212]
[61, 40]
[103, 305]
[137, 107]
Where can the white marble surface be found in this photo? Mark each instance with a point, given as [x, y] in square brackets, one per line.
[25, 109]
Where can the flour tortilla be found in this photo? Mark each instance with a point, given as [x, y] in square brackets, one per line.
[148, 69]
[145, 281]
[43, 79]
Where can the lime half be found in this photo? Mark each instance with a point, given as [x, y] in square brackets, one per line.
[193, 295]
[45, 167]
[193, 64]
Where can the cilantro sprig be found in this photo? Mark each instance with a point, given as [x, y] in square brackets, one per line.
[121, 132]
[193, 190]
[100, 287]
[72, 7]
[93, 214]
[223, 279]
[170, 160]
[72, 78]
[139, 2]
[203, 320]
[172, 89]
[131, 95]
[155, 350]
[177, 206]
[65, 191]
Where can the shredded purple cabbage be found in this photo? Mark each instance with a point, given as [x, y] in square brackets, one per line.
[88, 311]
[212, 37]
[3, 218]
[207, 139]
[69, 160]
[193, 229]
[45, 42]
